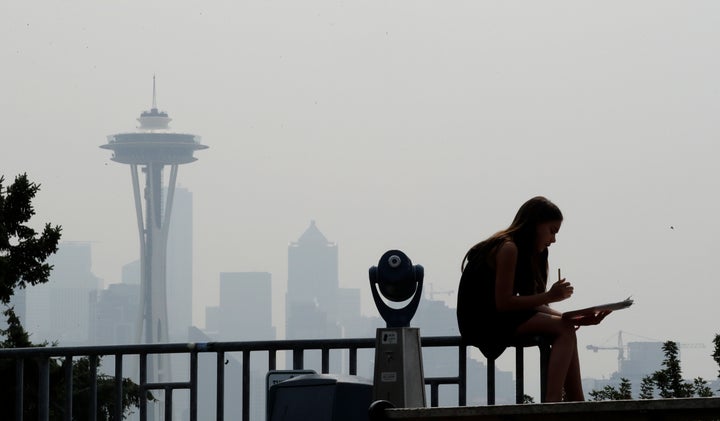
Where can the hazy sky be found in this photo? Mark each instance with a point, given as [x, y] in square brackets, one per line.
[419, 125]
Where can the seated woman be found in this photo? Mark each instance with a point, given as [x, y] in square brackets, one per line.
[503, 294]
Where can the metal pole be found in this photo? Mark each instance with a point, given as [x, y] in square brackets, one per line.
[298, 359]
[491, 381]
[93, 387]
[143, 391]
[462, 373]
[325, 352]
[353, 361]
[68, 369]
[44, 389]
[168, 403]
[246, 386]
[193, 384]
[220, 387]
[118, 386]
[519, 374]
[19, 388]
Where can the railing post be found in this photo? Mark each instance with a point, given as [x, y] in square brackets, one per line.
[93, 387]
[272, 358]
[220, 387]
[119, 386]
[246, 386]
[434, 395]
[44, 389]
[353, 361]
[325, 363]
[298, 362]
[19, 388]
[193, 384]
[68, 370]
[462, 374]
[491, 381]
[168, 403]
[143, 391]
[519, 374]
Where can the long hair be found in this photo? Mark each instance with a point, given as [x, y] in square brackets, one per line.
[531, 268]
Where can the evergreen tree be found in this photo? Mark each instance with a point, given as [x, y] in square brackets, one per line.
[647, 388]
[625, 389]
[701, 388]
[669, 380]
[716, 352]
[23, 255]
[610, 393]
[22, 251]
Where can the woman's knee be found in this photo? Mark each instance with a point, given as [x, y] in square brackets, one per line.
[546, 324]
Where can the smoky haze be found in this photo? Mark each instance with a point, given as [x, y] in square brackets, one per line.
[417, 125]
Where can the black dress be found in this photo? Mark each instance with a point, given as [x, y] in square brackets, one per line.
[479, 321]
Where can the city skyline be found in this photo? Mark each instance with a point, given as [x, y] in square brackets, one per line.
[409, 125]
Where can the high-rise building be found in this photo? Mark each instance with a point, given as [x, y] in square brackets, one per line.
[153, 147]
[58, 311]
[244, 314]
[115, 316]
[245, 310]
[312, 290]
[180, 266]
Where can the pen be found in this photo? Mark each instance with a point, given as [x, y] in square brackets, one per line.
[559, 277]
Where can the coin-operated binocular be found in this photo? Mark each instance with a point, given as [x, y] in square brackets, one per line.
[398, 280]
[398, 376]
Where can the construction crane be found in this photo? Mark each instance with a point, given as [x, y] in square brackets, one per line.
[620, 348]
[431, 292]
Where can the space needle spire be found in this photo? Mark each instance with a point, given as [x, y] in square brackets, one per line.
[154, 103]
[151, 148]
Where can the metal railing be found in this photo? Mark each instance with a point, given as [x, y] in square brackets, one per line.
[297, 347]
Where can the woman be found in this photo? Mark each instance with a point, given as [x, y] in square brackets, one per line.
[503, 294]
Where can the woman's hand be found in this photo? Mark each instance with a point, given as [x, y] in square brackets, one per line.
[592, 319]
[559, 291]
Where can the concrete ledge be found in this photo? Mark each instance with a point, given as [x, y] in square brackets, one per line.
[653, 409]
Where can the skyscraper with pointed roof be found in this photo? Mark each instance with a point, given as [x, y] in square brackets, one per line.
[313, 287]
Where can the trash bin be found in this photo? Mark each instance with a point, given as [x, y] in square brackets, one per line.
[320, 397]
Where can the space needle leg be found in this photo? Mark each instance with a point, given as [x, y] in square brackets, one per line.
[141, 232]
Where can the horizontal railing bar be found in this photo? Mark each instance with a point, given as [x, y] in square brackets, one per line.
[442, 380]
[168, 385]
[175, 348]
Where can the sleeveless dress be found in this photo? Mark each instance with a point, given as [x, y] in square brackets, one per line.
[479, 321]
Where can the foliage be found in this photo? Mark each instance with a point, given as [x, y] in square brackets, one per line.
[610, 393]
[22, 263]
[647, 388]
[701, 388]
[716, 352]
[22, 251]
[669, 382]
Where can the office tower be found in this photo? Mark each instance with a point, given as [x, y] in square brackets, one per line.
[245, 311]
[58, 311]
[152, 148]
[114, 318]
[311, 301]
[180, 266]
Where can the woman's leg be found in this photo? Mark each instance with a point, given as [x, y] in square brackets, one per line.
[563, 367]
[573, 380]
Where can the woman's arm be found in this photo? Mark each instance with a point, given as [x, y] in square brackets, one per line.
[505, 299]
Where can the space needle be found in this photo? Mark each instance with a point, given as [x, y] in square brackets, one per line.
[152, 148]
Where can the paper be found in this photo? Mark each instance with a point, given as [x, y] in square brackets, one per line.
[591, 311]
